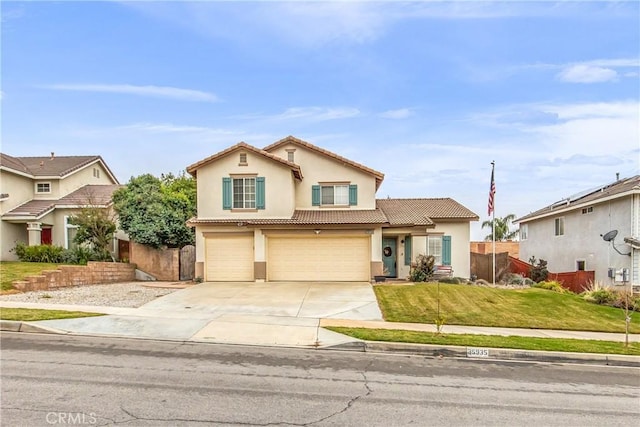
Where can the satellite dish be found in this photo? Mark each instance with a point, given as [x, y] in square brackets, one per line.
[608, 237]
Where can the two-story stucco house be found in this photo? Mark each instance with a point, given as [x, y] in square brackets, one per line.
[294, 211]
[40, 193]
[569, 233]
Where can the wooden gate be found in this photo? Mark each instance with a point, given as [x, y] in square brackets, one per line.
[187, 262]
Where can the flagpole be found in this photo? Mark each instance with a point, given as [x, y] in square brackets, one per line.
[493, 222]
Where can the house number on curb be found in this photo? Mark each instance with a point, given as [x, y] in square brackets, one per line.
[477, 352]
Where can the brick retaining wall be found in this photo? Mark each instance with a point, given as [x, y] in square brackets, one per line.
[75, 275]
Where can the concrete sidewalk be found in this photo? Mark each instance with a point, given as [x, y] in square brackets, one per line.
[224, 326]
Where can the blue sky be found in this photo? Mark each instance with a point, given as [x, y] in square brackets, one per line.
[428, 93]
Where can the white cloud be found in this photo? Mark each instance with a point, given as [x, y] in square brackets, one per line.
[583, 73]
[401, 113]
[307, 114]
[152, 91]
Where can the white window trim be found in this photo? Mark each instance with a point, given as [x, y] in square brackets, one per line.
[244, 194]
[345, 185]
[96, 173]
[557, 221]
[439, 238]
[242, 162]
[583, 261]
[67, 226]
[524, 231]
[42, 182]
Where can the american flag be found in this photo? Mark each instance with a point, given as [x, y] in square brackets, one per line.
[492, 191]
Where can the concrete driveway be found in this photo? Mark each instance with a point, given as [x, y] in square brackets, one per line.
[337, 300]
[274, 314]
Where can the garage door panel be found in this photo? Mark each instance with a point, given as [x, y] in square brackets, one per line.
[318, 258]
[229, 258]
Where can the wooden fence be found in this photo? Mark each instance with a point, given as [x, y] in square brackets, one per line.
[575, 281]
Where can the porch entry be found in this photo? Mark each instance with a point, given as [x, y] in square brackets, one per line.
[389, 257]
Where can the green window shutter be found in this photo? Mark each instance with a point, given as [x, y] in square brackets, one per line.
[226, 193]
[407, 250]
[353, 195]
[315, 195]
[446, 250]
[260, 192]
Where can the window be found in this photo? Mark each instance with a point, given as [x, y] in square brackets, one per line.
[580, 265]
[434, 248]
[524, 231]
[290, 155]
[335, 195]
[96, 173]
[559, 226]
[43, 187]
[70, 233]
[243, 159]
[244, 193]
[587, 210]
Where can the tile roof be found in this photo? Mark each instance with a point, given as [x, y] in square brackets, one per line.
[619, 187]
[97, 195]
[308, 217]
[292, 139]
[423, 211]
[54, 166]
[244, 146]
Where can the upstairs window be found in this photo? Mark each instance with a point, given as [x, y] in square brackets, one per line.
[524, 231]
[335, 195]
[96, 173]
[244, 193]
[291, 155]
[559, 226]
[587, 210]
[43, 187]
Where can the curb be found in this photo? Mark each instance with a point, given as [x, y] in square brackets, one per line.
[488, 354]
[19, 326]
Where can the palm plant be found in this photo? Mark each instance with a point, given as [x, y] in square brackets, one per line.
[503, 228]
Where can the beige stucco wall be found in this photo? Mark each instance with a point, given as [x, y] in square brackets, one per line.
[84, 177]
[19, 188]
[11, 234]
[460, 236]
[279, 187]
[318, 168]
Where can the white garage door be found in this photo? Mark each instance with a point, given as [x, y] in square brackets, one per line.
[229, 258]
[318, 258]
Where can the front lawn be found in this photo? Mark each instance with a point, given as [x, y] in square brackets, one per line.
[514, 308]
[492, 341]
[15, 270]
[30, 314]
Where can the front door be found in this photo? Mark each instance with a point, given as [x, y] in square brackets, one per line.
[389, 256]
[45, 236]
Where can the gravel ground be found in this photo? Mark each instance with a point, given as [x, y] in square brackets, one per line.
[114, 295]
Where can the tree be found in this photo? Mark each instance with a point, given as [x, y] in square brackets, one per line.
[503, 228]
[96, 228]
[154, 211]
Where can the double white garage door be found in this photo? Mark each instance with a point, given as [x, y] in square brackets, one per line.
[290, 258]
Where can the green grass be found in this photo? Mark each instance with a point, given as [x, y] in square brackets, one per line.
[513, 308]
[492, 341]
[30, 314]
[11, 271]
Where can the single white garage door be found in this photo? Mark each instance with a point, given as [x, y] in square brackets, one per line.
[318, 258]
[229, 258]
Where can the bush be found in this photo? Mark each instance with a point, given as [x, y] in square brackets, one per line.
[451, 280]
[599, 296]
[423, 268]
[552, 285]
[528, 282]
[57, 254]
[39, 253]
[514, 279]
[538, 272]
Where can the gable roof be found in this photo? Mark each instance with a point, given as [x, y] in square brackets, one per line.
[50, 167]
[423, 211]
[93, 195]
[620, 188]
[297, 172]
[379, 176]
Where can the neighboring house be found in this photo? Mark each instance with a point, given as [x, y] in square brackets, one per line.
[294, 211]
[569, 234]
[39, 194]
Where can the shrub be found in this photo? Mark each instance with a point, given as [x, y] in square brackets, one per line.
[82, 254]
[528, 282]
[623, 297]
[538, 272]
[552, 285]
[599, 296]
[39, 253]
[451, 280]
[423, 268]
[514, 279]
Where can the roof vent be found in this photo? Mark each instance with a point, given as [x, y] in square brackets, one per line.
[41, 164]
[53, 155]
